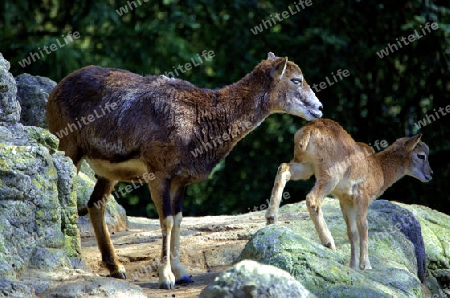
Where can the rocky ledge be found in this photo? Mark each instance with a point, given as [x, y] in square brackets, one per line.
[212, 248]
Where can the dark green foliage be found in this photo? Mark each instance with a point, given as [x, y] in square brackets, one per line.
[382, 98]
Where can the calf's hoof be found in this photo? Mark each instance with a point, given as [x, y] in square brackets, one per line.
[330, 245]
[366, 266]
[271, 219]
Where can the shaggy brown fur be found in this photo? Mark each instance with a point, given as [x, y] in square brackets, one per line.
[143, 125]
[352, 172]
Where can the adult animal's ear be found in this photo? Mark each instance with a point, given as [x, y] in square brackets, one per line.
[271, 56]
[412, 142]
[279, 69]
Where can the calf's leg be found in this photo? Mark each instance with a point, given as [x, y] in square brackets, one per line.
[314, 203]
[286, 171]
[349, 212]
[363, 231]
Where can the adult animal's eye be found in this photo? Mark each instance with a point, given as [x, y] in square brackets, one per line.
[297, 81]
[421, 156]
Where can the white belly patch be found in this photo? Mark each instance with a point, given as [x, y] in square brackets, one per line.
[122, 171]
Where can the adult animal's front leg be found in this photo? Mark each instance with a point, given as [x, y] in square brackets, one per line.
[160, 191]
[181, 274]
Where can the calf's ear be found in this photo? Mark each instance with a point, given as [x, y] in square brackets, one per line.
[412, 142]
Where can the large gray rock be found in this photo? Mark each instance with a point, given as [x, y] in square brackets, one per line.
[395, 249]
[31, 210]
[9, 106]
[32, 94]
[249, 279]
[38, 214]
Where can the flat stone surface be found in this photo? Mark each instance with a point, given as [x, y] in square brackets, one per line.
[209, 245]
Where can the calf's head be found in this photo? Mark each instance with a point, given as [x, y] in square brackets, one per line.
[417, 159]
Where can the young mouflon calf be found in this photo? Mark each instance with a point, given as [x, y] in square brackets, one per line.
[129, 127]
[352, 172]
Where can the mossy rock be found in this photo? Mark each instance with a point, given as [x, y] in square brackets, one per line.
[251, 279]
[295, 247]
[43, 138]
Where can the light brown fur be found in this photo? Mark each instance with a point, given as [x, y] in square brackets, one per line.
[156, 123]
[352, 172]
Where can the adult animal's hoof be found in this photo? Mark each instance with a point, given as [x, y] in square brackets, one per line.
[184, 280]
[119, 275]
[167, 285]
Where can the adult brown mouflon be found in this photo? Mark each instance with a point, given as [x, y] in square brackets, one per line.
[127, 126]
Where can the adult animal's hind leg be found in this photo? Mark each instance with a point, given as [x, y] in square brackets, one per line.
[97, 210]
[76, 155]
[181, 274]
[286, 172]
[68, 145]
